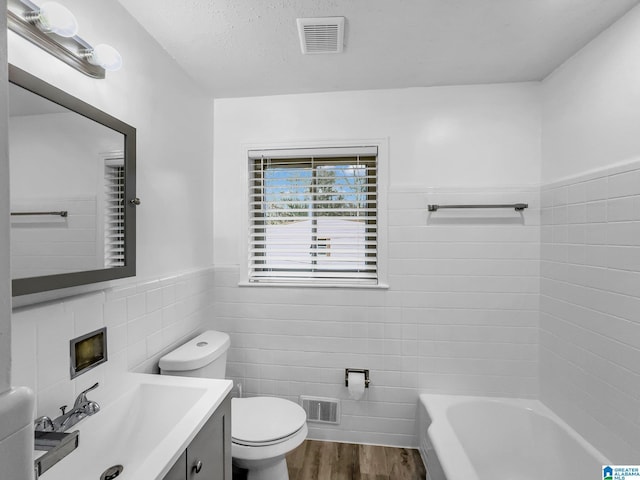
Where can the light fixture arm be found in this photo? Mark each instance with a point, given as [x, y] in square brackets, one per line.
[22, 18]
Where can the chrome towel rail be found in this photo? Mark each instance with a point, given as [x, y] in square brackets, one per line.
[517, 206]
[62, 213]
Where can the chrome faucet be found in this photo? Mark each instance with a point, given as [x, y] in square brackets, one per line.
[82, 407]
[43, 424]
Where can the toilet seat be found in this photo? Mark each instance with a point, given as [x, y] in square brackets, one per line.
[267, 453]
[248, 443]
[264, 421]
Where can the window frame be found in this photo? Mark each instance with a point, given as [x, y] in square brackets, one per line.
[382, 181]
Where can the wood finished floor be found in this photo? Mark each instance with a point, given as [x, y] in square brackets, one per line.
[315, 460]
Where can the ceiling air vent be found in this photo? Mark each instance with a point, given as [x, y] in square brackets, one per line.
[321, 35]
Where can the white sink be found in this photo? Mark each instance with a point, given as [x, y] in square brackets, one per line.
[145, 429]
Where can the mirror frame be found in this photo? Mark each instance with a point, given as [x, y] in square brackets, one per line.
[29, 285]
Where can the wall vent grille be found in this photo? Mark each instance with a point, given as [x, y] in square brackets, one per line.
[321, 409]
[321, 35]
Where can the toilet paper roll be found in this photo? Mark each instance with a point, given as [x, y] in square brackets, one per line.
[356, 385]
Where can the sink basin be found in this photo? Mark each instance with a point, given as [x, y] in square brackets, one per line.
[145, 429]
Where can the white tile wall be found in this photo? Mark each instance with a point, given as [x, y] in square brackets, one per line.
[590, 300]
[144, 320]
[460, 316]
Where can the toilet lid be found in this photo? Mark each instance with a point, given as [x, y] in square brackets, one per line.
[265, 419]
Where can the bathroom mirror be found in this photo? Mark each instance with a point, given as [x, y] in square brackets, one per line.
[72, 189]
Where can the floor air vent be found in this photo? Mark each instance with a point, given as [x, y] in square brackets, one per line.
[321, 35]
[320, 409]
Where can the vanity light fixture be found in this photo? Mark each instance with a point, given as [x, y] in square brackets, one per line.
[53, 28]
[54, 18]
[105, 56]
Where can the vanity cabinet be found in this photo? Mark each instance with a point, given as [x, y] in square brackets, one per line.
[208, 457]
[179, 469]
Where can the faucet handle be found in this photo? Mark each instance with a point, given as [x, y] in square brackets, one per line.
[92, 408]
[43, 424]
[82, 398]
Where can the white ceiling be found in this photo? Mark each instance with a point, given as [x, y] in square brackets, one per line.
[250, 47]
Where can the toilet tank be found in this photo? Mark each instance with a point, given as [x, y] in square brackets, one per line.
[204, 356]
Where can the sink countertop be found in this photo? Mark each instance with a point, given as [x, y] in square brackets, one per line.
[145, 428]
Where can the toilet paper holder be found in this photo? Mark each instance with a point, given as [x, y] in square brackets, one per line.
[347, 371]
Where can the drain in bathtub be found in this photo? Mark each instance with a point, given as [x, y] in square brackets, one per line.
[112, 472]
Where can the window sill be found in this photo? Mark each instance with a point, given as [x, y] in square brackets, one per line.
[381, 286]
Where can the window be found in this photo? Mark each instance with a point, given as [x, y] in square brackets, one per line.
[313, 216]
[114, 212]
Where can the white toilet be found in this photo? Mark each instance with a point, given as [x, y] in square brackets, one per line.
[263, 429]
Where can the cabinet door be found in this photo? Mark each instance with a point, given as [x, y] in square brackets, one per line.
[179, 469]
[209, 455]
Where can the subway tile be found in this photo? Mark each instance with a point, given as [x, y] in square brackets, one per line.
[576, 234]
[181, 290]
[596, 233]
[623, 258]
[88, 313]
[136, 354]
[577, 213]
[623, 233]
[169, 315]
[546, 198]
[136, 306]
[597, 255]
[577, 193]
[560, 196]
[154, 300]
[596, 189]
[154, 343]
[597, 212]
[560, 215]
[624, 184]
[117, 338]
[168, 295]
[138, 329]
[560, 234]
[624, 282]
[120, 292]
[148, 285]
[115, 312]
[623, 209]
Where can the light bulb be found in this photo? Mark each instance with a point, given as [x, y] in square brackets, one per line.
[106, 56]
[58, 19]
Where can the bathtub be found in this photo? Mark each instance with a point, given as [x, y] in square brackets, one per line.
[488, 438]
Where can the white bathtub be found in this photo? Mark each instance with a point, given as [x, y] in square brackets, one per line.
[487, 438]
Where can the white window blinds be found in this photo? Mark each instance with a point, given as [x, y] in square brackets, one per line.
[114, 212]
[313, 216]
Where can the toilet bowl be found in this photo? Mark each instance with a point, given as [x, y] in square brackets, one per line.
[263, 429]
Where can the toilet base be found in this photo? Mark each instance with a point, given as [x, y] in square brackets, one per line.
[271, 469]
[267, 462]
